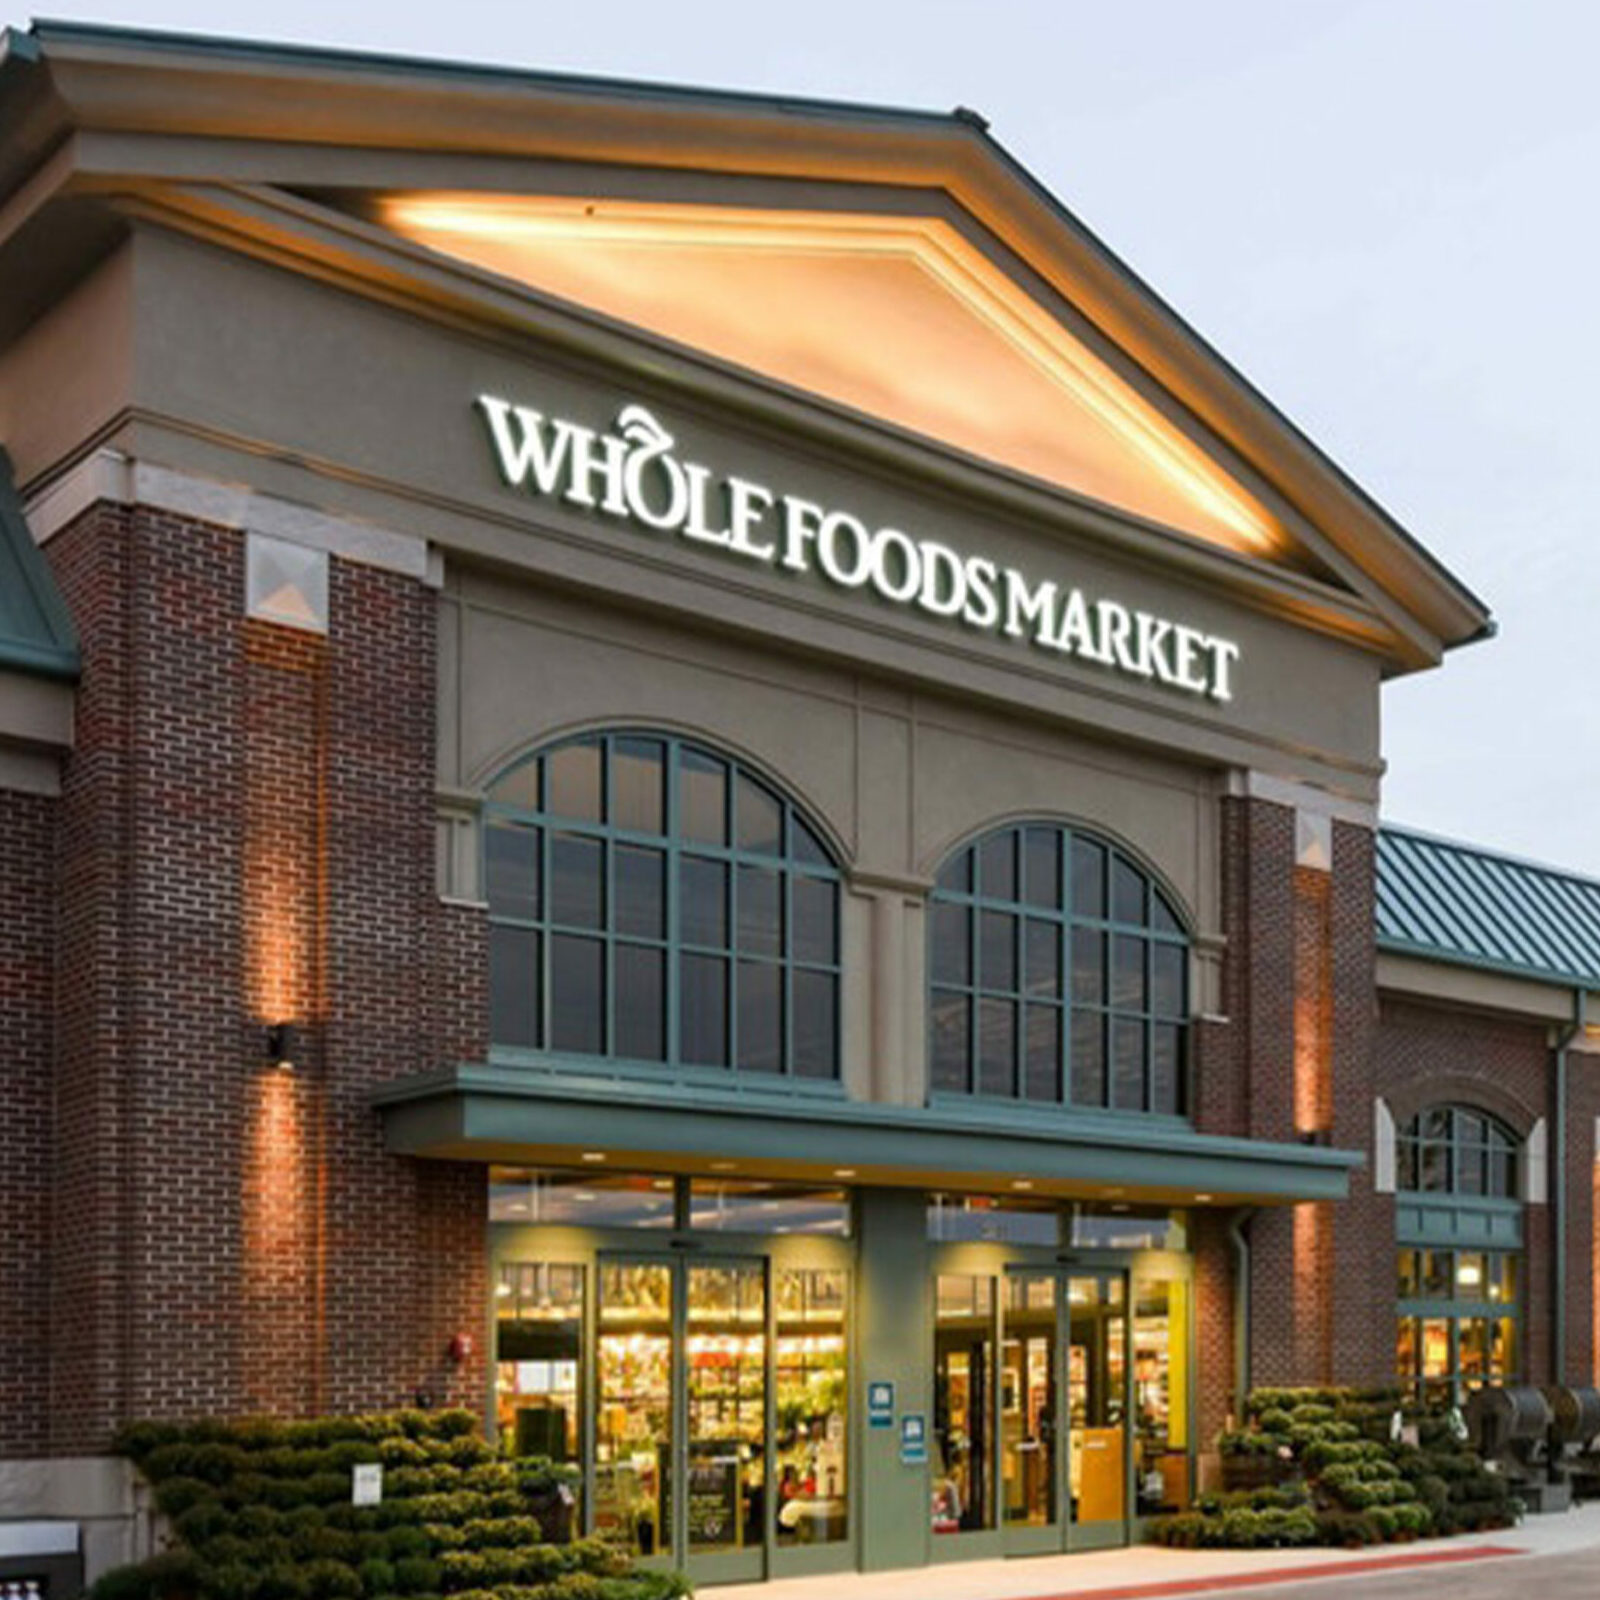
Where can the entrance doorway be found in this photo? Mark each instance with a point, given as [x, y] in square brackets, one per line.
[1054, 1424]
[681, 1378]
[705, 1397]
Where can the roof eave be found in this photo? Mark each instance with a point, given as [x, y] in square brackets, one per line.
[137, 81]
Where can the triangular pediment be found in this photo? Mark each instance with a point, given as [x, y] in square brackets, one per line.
[899, 317]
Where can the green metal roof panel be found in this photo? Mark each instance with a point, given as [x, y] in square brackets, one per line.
[1458, 903]
[36, 631]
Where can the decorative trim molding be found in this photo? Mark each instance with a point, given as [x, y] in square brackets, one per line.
[110, 475]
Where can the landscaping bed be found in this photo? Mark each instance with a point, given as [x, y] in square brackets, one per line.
[262, 1510]
[1322, 1467]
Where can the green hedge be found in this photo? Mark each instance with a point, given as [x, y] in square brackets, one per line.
[261, 1510]
[1350, 1484]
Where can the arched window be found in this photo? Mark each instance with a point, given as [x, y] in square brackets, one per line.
[1456, 1150]
[652, 901]
[1459, 1235]
[1059, 974]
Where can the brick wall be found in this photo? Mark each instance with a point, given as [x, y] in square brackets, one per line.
[27, 959]
[246, 836]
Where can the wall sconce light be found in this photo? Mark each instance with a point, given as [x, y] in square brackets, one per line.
[281, 1045]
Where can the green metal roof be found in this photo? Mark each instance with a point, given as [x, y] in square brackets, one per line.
[1458, 903]
[36, 631]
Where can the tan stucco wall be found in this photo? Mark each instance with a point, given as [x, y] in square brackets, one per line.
[246, 372]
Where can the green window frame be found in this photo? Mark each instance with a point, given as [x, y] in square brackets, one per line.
[1458, 1296]
[1058, 974]
[657, 904]
[1454, 1149]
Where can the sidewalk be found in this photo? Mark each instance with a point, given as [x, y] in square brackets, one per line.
[1148, 1570]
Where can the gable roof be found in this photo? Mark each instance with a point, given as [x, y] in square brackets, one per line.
[36, 631]
[210, 133]
[1457, 903]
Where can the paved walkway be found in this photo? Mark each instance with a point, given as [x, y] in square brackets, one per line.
[1149, 1571]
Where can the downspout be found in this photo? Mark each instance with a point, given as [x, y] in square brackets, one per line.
[1558, 1218]
[1240, 1240]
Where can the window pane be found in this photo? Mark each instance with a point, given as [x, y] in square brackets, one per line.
[760, 1017]
[595, 1199]
[1042, 1066]
[760, 919]
[952, 1047]
[760, 818]
[804, 845]
[702, 798]
[1127, 972]
[1127, 892]
[734, 1206]
[992, 1219]
[1471, 1276]
[638, 785]
[703, 1010]
[1162, 916]
[641, 976]
[997, 867]
[1088, 967]
[1406, 1160]
[514, 986]
[955, 876]
[1433, 1167]
[952, 950]
[1088, 879]
[1166, 1086]
[1469, 1169]
[1405, 1348]
[1436, 1123]
[1406, 1275]
[997, 1047]
[1088, 1058]
[641, 891]
[816, 1025]
[1042, 867]
[1167, 963]
[574, 780]
[1438, 1271]
[997, 950]
[519, 787]
[577, 872]
[511, 867]
[815, 935]
[1501, 1178]
[1127, 1062]
[703, 902]
[1503, 1358]
[577, 994]
[810, 1367]
[1043, 958]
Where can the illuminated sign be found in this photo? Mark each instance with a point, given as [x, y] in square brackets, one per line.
[632, 474]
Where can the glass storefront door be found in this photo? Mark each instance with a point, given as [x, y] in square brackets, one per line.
[725, 1382]
[1060, 1406]
[1097, 1409]
[717, 1433]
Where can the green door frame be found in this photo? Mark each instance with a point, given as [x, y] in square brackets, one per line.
[1000, 1260]
[594, 1247]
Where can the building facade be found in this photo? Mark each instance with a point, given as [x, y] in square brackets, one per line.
[676, 767]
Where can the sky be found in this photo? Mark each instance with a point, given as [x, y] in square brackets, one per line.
[1384, 212]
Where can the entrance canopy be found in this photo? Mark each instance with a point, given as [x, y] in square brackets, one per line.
[488, 1113]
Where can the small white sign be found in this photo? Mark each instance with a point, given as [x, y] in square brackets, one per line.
[366, 1484]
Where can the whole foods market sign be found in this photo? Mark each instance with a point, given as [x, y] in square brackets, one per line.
[633, 474]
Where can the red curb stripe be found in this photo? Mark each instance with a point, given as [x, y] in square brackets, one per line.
[1277, 1575]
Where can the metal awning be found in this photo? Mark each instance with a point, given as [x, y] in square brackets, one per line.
[1453, 902]
[513, 1114]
